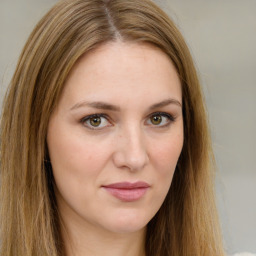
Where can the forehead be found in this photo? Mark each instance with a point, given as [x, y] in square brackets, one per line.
[123, 55]
[120, 70]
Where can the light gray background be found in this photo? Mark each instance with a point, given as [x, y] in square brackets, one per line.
[222, 37]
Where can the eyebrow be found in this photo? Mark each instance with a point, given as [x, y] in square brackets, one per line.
[97, 105]
[107, 106]
[165, 103]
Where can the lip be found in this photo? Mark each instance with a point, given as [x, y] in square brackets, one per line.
[127, 191]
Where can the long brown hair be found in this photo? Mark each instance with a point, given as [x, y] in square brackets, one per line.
[187, 222]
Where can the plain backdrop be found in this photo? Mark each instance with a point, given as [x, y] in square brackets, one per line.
[222, 37]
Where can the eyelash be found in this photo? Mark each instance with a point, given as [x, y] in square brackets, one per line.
[87, 118]
[170, 118]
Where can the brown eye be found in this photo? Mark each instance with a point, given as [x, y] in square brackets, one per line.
[156, 120]
[95, 121]
[160, 119]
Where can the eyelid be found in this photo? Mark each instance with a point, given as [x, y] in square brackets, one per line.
[101, 115]
[171, 118]
[83, 120]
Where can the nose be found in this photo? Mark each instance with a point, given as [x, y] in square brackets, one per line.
[131, 151]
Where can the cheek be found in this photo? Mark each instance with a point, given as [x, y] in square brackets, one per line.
[77, 162]
[165, 157]
[166, 154]
[75, 153]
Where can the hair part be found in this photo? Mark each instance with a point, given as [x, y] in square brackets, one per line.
[187, 222]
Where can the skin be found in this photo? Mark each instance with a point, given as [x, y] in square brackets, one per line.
[128, 145]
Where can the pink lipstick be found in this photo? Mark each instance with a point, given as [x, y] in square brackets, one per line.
[126, 191]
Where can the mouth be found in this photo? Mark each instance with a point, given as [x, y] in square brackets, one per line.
[126, 191]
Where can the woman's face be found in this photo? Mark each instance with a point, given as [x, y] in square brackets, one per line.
[115, 137]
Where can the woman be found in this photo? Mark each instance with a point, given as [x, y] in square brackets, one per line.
[104, 140]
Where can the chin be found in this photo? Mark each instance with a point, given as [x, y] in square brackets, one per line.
[128, 223]
[126, 229]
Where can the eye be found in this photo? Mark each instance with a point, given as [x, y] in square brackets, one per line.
[160, 119]
[96, 121]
